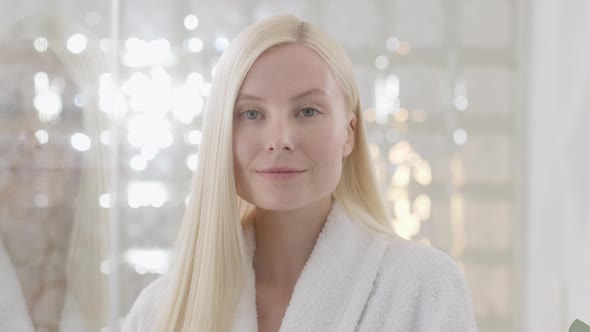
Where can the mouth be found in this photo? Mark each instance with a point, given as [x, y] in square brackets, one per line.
[280, 174]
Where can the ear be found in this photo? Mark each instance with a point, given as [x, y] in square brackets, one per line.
[350, 135]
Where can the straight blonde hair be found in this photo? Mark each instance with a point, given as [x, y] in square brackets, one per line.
[206, 278]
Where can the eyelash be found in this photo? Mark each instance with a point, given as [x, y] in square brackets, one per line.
[243, 114]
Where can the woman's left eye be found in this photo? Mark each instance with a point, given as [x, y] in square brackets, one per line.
[309, 112]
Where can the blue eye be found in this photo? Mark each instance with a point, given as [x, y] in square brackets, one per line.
[251, 114]
[308, 112]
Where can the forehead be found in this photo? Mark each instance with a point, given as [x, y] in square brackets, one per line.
[287, 69]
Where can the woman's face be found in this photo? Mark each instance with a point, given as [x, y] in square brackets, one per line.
[291, 130]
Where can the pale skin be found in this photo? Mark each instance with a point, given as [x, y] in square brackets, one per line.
[290, 112]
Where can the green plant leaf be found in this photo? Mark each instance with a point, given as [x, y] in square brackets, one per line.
[579, 326]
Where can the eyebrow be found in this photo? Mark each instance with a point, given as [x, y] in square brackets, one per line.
[310, 92]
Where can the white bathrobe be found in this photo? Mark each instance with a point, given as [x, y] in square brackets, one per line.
[353, 281]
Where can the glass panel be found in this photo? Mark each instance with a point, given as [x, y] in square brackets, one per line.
[99, 139]
[54, 174]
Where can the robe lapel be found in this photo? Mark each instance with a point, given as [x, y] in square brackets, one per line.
[335, 283]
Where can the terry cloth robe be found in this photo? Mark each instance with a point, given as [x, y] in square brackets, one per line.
[14, 314]
[353, 281]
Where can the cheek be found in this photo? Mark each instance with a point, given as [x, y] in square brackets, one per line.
[242, 150]
[326, 149]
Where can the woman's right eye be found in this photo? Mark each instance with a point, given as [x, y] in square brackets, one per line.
[251, 114]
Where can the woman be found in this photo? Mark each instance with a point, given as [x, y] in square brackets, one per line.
[285, 229]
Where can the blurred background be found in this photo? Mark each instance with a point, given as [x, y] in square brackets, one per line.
[477, 113]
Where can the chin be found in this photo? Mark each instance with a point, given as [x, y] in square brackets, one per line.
[278, 203]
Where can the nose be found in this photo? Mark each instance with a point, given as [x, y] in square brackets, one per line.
[279, 136]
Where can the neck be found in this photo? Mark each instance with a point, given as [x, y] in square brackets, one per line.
[284, 242]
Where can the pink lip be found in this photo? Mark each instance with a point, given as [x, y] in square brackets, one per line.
[280, 173]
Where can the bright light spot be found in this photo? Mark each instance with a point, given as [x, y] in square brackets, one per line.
[160, 44]
[186, 104]
[105, 137]
[421, 207]
[77, 43]
[148, 260]
[419, 116]
[105, 201]
[151, 94]
[49, 105]
[92, 18]
[186, 199]
[192, 161]
[404, 48]
[105, 267]
[41, 200]
[374, 150]
[399, 152]
[80, 142]
[146, 193]
[141, 53]
[401, 177]
[221, 43]
[195, 45]
[392, 44]
[422, 172]
[461, 102]
[194, 80]
[138, 83]
[407, 227]
[42, 136]
[393, 194]
[149, 130]
[105, 93]
[137, 163]
[133, 43]
[460, 136]
[191, 22]
[402, 207]
[205, 90]
[392, 86]
[402, 115]
[369, 114]
[381, 62]
[41, 81]
[41, 44]
[193, 137]
[386, 98]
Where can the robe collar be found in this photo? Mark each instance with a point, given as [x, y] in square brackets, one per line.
[334, 285]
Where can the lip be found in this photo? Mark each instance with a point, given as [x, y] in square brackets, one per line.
[280, 173]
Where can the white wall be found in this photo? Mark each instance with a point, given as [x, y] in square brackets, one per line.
[557, 234]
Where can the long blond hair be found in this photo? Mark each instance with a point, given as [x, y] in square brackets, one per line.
[206, 278]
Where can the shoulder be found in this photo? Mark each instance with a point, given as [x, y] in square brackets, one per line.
[430, 282]
[417, 259]
[141, 316]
